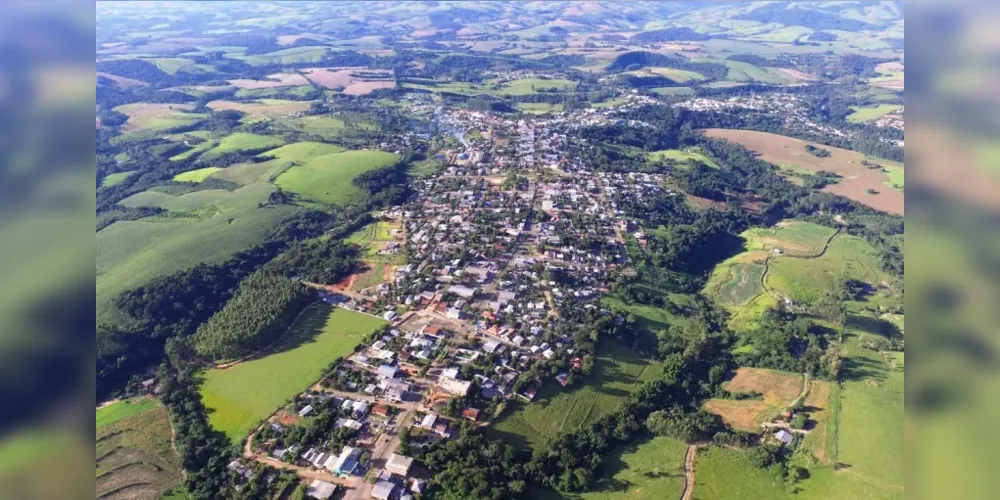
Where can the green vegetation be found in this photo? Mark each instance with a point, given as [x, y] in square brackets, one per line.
[156, 117]
[743, 285]
[791, 237]
[240, 396]
[262, 309]
[327, 178]
[805, 280]
[197, 175]
[115, 179]
[674, 91]
[134, 454]
[538, 108]
[724, 473]
[171, 65]
[869, 113]
[529, 86]
[123, 409]
[286, 56]
[895, 175]
[681, 158]
[555, 410]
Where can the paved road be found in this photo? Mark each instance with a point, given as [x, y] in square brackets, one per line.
[385, 446]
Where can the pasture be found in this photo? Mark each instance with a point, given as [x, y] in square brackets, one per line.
[327, 178]
[529, 86]
[677, 75]
[779, 390]
[130, 253]
[555, 410]
[197, 175]
[271, 81]
[856, 178]
[539, 108]
[674, 91]
[869, 113]
[171, 65]
[326, 126]
[741, 285]
[805, 280]
[293, 55]
[791, 237]
[650, 469]
[133, 453]
[157, 117]
[271, 108]
[115, 178]
[682, 158]
[241, 396]
[123, 409]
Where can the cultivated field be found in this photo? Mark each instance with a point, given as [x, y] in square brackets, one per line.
[351, 81]
[327, 178]
[534, 85]
[791, 237]
[857, 179]
[239, 397]
[865, 114]
[555, 410]
[821, 439]
[273, 80]
[134, 456]
[115, 179]
[779, 390]
[145, 116]
[293, 55]
[263, 107]
[327, 126]
[196, 175]
[742, 285]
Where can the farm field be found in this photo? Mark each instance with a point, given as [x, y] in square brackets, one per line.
[272, 80]
[682, 157]
[275, 92]
[857, 179]
[327, 178]
[617, 372]
[677, 75]
[779, 390]
[130, 253]
[742, 283]
[115, 179]
[241, 396]
[171, 65]
[134, 456]
[805, 280]
[197, 175]
[538, 108]
[271, 108]
[792, 237]
[529, 86]
[123, 409]
[821, 439]
[864, 114]
[243, 141]
[157, 117]
[326, 126]
[674, 91]
[351, 81]
[291, 55]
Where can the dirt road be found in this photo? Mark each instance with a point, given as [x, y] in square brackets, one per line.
[689, 457]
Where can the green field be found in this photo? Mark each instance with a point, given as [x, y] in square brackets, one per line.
[682, 158]
[722, 473]
[895, 175]
[538, 108]
[130, 253]
[674, 91]
[171, 65]
[743, 284]
[115, 178]
[745, 72]
[534, 85]
[805, 280]
[791, 237]
[196, 175]
[238, 398]
[327, 126]
[292, 55]
[327, 178]
[868, 113]
[275, 92]
[555, 410]
[652, 469]
[242, 141]
[123, 409]
[157, 117]
[134, 456]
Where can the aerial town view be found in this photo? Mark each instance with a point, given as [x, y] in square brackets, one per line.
[492, 250]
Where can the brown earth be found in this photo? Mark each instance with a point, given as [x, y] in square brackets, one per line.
[348, 79]
[151, 111]
[261, 109]
[856, 178]
[817, 403]
[779, 389]
[275, 80]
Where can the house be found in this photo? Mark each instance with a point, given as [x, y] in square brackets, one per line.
[548, 353]
[346, 463]
[320, 490]
[399, 464]
[442, 430]
[784, 436]
[450, 373]
[491, 346]
[453, 313]
[454, 387]
[387, 371]
[389, 315]
[380, 410]
[562, 378]
[418, 486]
[471, 414]
[383, 490]
[428, 421]
[305, 411]
[462, 291]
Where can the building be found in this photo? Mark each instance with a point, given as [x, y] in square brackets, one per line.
[380, 410]
[387, 371]
[453, 313]
[462, 291]
[383, 490]
[428, 421]
[454, 387]
[320, 489]
[347, 462]
[471, 414]
[399, 464]
[305, 411]
[784, 436]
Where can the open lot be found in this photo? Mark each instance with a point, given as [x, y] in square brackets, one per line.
[134, 457]
[857, 179]
[327, 178]
[617, 372]
[239, 397]
[779, 390]
[146, 116]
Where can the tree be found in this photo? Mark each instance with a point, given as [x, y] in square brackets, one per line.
[684, 425]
